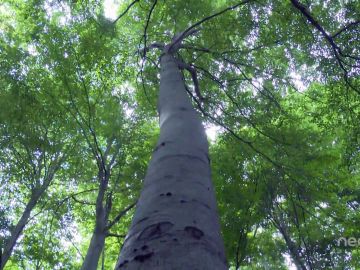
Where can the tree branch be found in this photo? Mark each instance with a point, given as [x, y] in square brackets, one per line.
[125, 11]
[336, 49]
[80, 201]
[190, 30]
[346, 27]
[147, 25]
[120, 215]
[249, 143]
[192, 71]
[115, 235]
[155, 45]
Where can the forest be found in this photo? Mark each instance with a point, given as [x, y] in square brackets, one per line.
[178, 135]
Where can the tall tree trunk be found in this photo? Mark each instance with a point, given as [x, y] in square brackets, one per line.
[176, 224]
[97, 241]
[19, 227]
[294, 252]
[36, 193]
[95, 248]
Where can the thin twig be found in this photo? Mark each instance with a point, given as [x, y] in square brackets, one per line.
[336, 49]
[147, 25]
[192, 27]
[346, 27]
[120, 215]
[125, 11]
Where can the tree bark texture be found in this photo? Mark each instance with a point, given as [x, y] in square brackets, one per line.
[176, 224]
[96, 247]
[97, 241]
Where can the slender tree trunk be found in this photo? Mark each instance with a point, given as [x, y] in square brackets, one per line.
[95, 248]
[293, 251]
[290, 244]
[35, 196]
[97, 241]
[176, 224]
[19, 227]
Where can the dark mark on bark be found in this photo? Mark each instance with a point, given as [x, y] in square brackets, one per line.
[158, 146]
[201, 203]
[155, 230]
[194, 232]
[144, 247]
[143, 257]
[168, 194]
[123, 263]
[182, 201]
[187, 156]
[141, 220]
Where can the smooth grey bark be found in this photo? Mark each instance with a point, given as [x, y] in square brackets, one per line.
[20, 225]
[102, 223]
[176, 223]
[97, 241]
[95, 248]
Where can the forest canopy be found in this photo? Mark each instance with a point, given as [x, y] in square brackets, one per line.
[276, 84]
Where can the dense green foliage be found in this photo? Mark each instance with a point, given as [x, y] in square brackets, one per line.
[280, 81]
